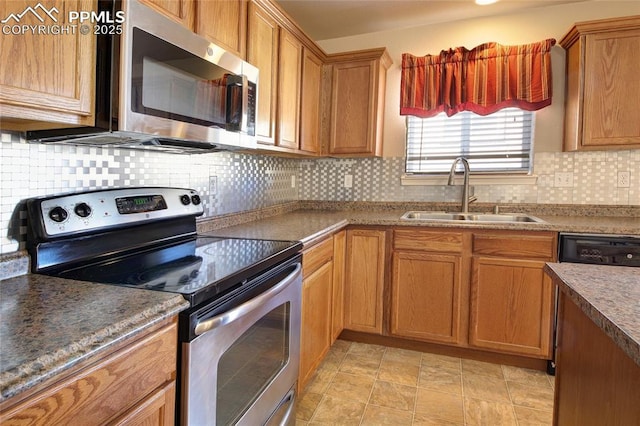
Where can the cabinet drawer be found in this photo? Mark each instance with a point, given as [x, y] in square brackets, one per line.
[536, 246]
[108, 389]
[316, 256]
[405, 239]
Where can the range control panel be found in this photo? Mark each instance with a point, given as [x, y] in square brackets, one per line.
[92, 211]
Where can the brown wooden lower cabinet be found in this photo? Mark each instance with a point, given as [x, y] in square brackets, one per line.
[511, 306]
[135, 385]
[322, 302]
[364, 280]
[425, 296]
[315, 334]
[477, 289]
[596, 382]
[339, 257]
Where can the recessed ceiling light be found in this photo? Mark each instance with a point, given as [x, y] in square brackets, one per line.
[485, 2]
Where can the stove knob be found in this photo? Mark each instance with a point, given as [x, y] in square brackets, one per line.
[195, 199]
[184, 199]
[58, 214]
[82, 209]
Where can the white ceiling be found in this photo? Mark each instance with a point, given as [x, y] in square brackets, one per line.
[326, 19]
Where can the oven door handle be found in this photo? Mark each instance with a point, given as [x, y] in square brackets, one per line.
[220, 320]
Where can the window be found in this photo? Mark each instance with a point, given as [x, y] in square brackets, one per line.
[501, 142]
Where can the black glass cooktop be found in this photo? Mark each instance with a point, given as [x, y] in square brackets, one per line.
[201, 268]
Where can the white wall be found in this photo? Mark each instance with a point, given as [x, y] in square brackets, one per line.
[531, 26]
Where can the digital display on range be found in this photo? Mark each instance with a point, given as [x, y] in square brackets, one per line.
[140, 204]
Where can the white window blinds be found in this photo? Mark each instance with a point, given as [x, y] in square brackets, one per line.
[497, 143]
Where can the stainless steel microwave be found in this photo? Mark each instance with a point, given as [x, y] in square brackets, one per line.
[159, 86]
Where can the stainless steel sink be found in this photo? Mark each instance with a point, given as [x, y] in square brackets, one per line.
[418, 215]
[471, 217]
[507, 217]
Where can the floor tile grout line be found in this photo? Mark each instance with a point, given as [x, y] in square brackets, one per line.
[324, 392]
[366, 405]
[386, 354]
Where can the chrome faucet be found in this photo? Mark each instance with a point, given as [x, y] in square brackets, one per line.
[465, 190]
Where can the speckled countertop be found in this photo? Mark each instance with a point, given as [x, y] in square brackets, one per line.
[608, 295]
[309, 225]
[47, 325]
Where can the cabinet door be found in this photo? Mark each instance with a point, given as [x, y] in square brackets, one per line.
[262, 52]
[310, 103]
[156, 410]
[364, 280]
[511, 306]
[612, 89]
[289, 90]
[337, 308]
[352, 108]
[181, 11]
[315, 330]
[224, 23]
[47, 78]
[591, 365]
[143, 371]
[425, 296]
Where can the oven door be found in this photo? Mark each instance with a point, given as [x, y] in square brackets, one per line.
[243, 366]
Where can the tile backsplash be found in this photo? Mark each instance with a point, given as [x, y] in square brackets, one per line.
[233, 182]
[562, 178]
[228, 182]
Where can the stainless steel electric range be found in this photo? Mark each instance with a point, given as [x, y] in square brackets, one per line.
[239, 340]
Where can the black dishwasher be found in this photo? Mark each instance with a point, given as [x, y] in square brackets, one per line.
[597, 249]
[600, 249]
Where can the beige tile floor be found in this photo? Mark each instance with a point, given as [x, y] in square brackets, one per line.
[362, 384]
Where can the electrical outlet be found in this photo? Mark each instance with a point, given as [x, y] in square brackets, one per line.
[348, 181]
[213, 185]
[293, 181]
[563, 180]
[623, 179]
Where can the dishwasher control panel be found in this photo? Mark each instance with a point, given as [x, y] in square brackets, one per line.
[600, 249]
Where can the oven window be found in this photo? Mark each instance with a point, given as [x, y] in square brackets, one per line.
[251, 363]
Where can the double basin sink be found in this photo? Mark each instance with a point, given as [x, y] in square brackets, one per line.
[471, 217]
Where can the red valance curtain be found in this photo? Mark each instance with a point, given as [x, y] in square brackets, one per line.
[482, 80]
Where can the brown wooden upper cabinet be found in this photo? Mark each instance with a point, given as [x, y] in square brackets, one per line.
[39, 86]
[224, 23]
[358, 84]
[181, 11]
[602, 87]
[289, 92]
[262, 51]
[289, 80]
[310, 102]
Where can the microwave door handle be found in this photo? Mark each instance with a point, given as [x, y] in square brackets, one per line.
[220, 320]
[244, 125]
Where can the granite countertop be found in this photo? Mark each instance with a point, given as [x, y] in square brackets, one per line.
[49, 324]
[608, 295]
[614, 308]
[310, 225]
